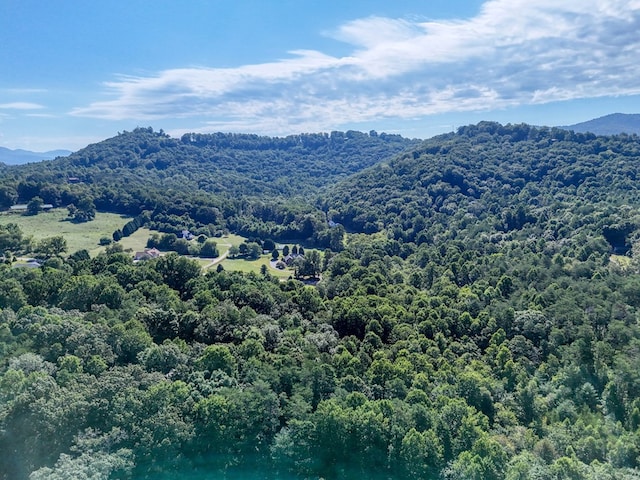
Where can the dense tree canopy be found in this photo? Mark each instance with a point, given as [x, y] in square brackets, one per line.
[207, 183]
[478, 321]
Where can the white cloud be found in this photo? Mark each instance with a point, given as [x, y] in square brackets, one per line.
[20, 106]
[514, 52]
[22, 91]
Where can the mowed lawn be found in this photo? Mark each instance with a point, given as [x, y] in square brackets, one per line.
[135, 242]
[78, 235]
[246, 266]
[240, 264]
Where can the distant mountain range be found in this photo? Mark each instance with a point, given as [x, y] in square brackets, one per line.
[18, 157]
[609, 124]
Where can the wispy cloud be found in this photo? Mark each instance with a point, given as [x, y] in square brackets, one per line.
[21, 91]
[20, 106]
[514, 52]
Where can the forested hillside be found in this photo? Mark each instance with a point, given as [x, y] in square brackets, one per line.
[245, 183]
[480, 321]
[502, 182]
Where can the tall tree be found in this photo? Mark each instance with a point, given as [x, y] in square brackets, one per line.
[52, 246]
[35, 205]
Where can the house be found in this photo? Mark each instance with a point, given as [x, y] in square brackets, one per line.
[31, 263]
[289, 259]
[148, 254]
[23, 207]
[187, 235]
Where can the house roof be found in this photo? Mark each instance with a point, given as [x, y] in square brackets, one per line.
[148, 253]
[27, 265]
[24, 206]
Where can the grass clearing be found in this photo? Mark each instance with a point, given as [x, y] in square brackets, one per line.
[224, 244]
[241, 264]
[246, 266]
[78, 235]
[231, 239]
[87, 236]
[136, 242]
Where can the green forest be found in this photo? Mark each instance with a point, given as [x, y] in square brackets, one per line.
[472, 311]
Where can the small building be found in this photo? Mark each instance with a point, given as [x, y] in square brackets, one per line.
[30, 263]
[289, 259]
[187, 235]
[148, 254]
[23, 207]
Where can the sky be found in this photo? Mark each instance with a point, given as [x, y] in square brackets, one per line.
[74, 72]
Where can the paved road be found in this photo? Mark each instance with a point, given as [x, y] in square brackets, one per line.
[217, 260]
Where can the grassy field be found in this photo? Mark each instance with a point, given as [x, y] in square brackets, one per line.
[136, 242]
[231, 239]
[78, 235]
[242, 265]
[87, 236]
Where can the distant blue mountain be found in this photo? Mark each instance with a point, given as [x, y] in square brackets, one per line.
[609, 124]
[18, 157]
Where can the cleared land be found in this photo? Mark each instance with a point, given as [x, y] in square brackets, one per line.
[87, 236]
[78, 235]
[241, 264]
[135, 242]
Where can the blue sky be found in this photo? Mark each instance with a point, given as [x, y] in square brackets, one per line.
[75, 71]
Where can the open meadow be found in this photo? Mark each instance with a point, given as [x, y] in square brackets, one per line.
[135, 242]
[78, 235]
[87, 236]
[241, 264]
[246, 266]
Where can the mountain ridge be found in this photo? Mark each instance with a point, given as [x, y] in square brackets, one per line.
[612, 124]
[20, 156]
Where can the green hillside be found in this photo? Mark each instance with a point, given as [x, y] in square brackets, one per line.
[257, 186]
[479, 320]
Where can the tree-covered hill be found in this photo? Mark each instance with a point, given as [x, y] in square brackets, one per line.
[232, 164]
[241, 182]
[235, 164]
[489, 182]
